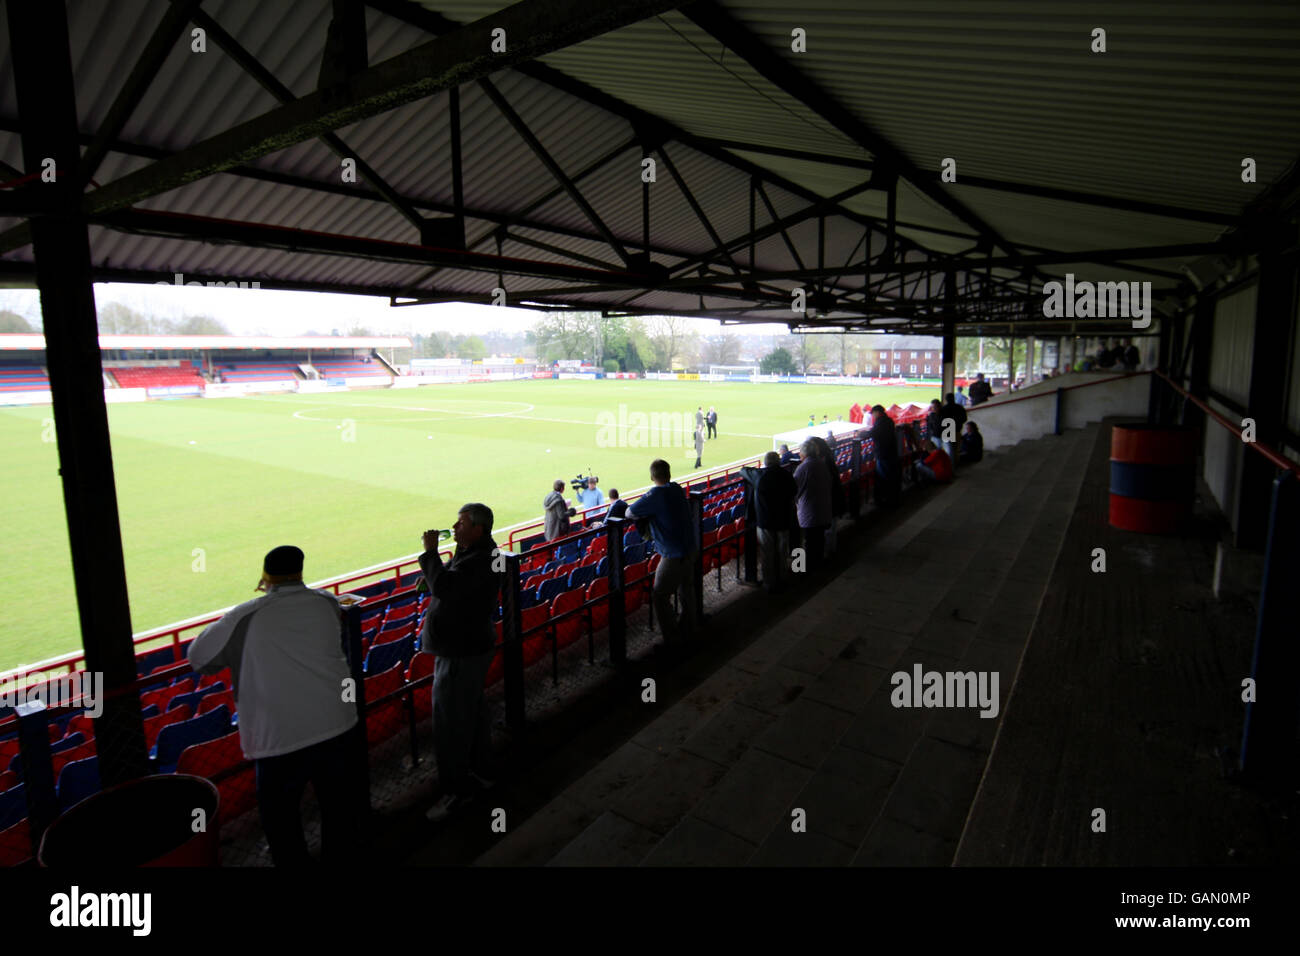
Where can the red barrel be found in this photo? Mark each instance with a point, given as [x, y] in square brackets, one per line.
[1152, 477]
[149, 821]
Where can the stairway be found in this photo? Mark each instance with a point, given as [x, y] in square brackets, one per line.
[802, 719]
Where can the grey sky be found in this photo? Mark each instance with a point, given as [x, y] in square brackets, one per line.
[269, 312]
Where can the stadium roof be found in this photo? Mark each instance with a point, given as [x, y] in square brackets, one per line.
[216, 342]
[775, 169]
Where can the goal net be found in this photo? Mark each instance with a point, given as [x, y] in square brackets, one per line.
[732, 373]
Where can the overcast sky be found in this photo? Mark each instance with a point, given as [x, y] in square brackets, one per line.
[268, 312]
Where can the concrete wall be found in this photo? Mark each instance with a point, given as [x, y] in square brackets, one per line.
[1005, 421]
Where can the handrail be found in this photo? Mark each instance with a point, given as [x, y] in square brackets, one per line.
[1271, 454]
[1052, 392]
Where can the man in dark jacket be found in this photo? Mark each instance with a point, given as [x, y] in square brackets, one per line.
[952, 418]
[980, 391]
[889, 474]
[774, 491]
[458, 631]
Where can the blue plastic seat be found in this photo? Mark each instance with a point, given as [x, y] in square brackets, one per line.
[67, 743]
[633, 554]
[631, 536]
[708, 523]
[77, 781]
[174, 738]
[602, 567]
[384, 656]
[549, 589]
[194, 697]
[13, 806]
[581, 577]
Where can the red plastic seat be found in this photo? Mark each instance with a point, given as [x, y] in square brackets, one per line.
[535, 643]
[568, 629]
[596, 590]
[422, 666]
[220, 677]
[213, 701]
[383, 720]
[710, 551]
[636, 585]
[222, 761]
[9, 779]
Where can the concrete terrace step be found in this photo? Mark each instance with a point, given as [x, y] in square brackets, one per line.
[802, 718]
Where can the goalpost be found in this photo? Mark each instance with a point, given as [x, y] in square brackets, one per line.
[733, 373]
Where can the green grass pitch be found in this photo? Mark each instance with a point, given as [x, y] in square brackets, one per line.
[206, 487]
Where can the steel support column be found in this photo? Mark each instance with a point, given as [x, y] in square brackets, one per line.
[61, 246]
[1275, 311]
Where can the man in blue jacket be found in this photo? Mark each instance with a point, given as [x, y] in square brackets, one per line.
[458, 631]
[669, 513]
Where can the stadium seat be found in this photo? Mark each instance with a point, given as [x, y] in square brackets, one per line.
[636, 585]
[13, 806]
[196, 697]
[549, 589]
[221, 677]
[631, 536]
[396, 632]
[564, 570]
[602, 567]
[729, 549]
[154, 725]
[528, 599]
[581, 576]
[64, 745]
[164, 696]
[598, 546]
[599, 613]
[174, 738]
[9, 779]
[708, 523]
[215, 759]
[710, 551]
[383, 656]
[535, 581]
[149, 661]
[535, 632]
[223, 698]
[78, 780]
[384, 720]
[568, 628]
[15, 844]
[633, 554]
[8, 749]
[422, 666]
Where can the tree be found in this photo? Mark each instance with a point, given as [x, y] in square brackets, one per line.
[201, 325]
[809, 350]
[568, 335]
[118, 319]
[472, 348]
[721, 349]
[666, 336]
[13, 322]
[778, 361]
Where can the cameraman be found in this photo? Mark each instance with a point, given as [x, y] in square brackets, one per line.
[591, 497]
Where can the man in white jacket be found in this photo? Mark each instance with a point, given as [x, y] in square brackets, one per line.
[296, 720]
